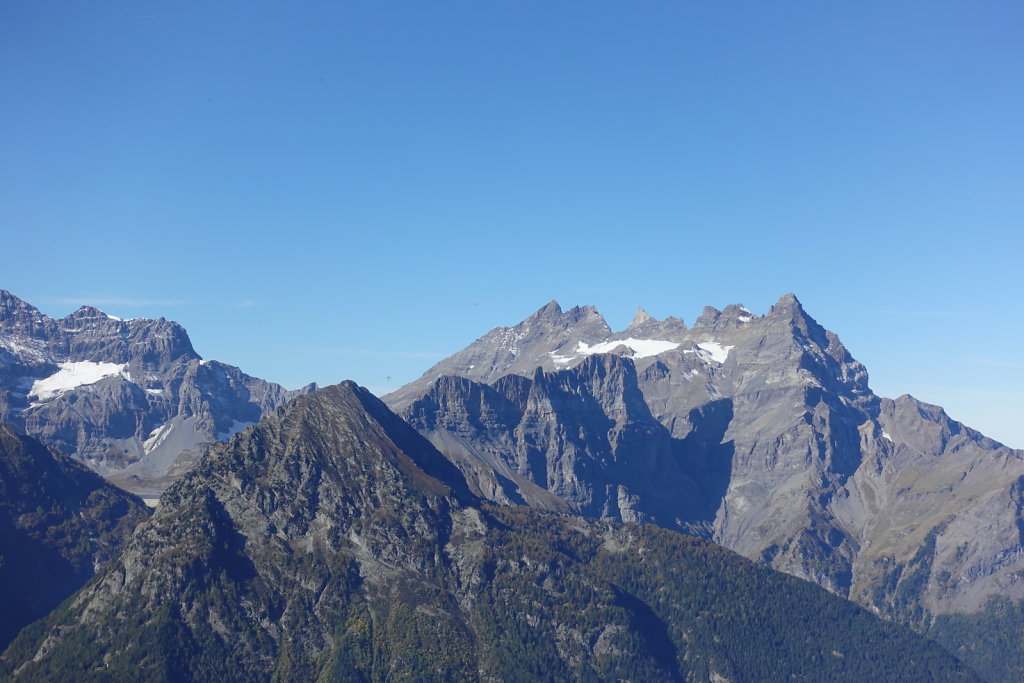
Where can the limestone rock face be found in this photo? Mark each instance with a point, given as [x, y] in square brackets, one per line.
[332, 542]
[130, 398]
[758, 432]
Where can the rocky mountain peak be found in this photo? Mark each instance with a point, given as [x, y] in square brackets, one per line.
[10, 304]
[642, 317]
[87, 312]
[788, 306]
[708, 317]
[20, 317]
[347, 429]
[551, 314]
[123, 396]
[549, 311]
[732, 315]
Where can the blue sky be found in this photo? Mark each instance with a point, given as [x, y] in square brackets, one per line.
[331, 190]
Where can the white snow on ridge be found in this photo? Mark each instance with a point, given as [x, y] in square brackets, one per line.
[713, 351]
[641, 348]
[75, 374]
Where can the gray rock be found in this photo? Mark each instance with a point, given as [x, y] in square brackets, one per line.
[517, 349]
[130, 398]
[759, 432]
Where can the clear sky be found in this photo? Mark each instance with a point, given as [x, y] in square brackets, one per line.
[331, 190]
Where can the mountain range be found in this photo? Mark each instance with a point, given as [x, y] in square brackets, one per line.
[129, 398]
[514, 514]
[760, 433]
[332, 542]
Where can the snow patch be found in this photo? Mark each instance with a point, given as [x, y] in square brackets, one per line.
[560, 360]
[711, 351]
[73, 375]
[885, 435]
[641, 348]
[155, 392]
[157, 437]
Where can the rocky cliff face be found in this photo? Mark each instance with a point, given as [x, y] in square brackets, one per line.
[331, 541]
[580, 439]
[130, 398]
[759, 432]
[59, 523]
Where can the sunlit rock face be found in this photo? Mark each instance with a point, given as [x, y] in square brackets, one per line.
[129, 398]
[758, 432]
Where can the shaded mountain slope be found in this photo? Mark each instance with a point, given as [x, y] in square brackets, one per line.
[59, 522]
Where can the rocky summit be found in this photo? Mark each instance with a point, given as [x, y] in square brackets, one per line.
[129, 398]
[332, 542]
[759, 432]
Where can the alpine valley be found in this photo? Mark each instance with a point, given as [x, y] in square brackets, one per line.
[727, 501]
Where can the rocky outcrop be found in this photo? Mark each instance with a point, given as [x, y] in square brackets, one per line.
[59, 523]
[130, 398]
[331, 541]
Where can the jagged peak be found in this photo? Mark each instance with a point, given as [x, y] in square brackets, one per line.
[548, 311]
[318, 427]
[553, 312]
[642, 317]
[788, 298]
[708, 318]
[87, 312]
[582, 312]
[736, 311]
[11, 303]
[787, 304]
[7, 299]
